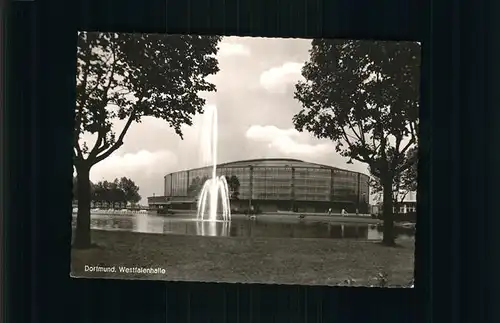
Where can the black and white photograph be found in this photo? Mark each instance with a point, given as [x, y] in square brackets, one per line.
[245, 159]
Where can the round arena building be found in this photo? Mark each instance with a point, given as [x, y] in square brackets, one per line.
[273, 185]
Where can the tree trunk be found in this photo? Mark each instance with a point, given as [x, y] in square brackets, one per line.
[387, 213]
[82, 233]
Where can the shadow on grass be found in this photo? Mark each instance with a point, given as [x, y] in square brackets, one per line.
[391, 246]
[91, 247]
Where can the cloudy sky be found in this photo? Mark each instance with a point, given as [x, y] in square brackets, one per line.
[255, 106]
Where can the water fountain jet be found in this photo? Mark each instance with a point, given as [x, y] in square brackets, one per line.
[215, 187]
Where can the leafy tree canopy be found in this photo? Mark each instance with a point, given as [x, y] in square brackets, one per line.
[363, 95]
[122, 190]
[130, 76]
[127, 77]
[130, 190]
[196, 185]
[234, 186]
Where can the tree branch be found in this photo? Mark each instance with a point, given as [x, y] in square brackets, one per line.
[77, 150]
[83, 100]
[100, 75]
[413, 130]
[362, 131]
[358, 136]
[404, 196]
[119, 142]
[408, 164]
[408, 145]
[351, 147]
[100, 145]
[396, 157]
[76, 158]
[363, 156]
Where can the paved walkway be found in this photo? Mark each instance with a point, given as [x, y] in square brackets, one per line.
[313, 217]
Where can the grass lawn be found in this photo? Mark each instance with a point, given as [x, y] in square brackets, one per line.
[256, 260]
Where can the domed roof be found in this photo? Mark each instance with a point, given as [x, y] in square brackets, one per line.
[274, 162]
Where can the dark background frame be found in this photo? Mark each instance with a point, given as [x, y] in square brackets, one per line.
[455, 268]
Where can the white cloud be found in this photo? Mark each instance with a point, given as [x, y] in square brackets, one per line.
[287, 141]
[144, 167]
[277, 79]
[265, 133]
[232, 49]
[143, 162]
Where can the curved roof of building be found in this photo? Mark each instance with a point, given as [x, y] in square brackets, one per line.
[270, 162]
[273, 162]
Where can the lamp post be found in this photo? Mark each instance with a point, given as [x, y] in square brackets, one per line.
[293, 189]
[363, 200]
[251, 190]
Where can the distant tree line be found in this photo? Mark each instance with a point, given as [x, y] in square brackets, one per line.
[118, 191]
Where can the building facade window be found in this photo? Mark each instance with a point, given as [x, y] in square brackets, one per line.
[312, 184]
[168, 185]
[278, 183]
[345, 186]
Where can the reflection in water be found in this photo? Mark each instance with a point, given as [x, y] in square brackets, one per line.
[148, 224]
[243, 228]
[373, 233]
[209, 228]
